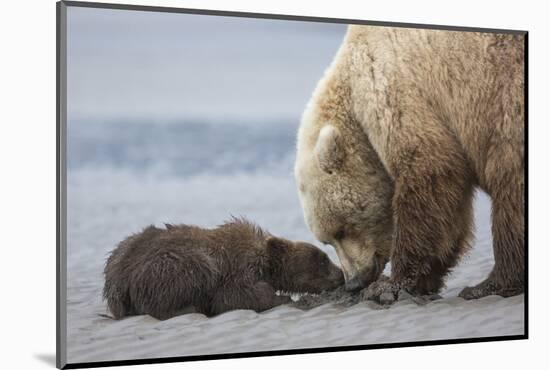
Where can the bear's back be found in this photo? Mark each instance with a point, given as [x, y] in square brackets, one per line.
[471, 82]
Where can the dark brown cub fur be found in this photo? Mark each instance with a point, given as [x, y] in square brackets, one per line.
[165, 272]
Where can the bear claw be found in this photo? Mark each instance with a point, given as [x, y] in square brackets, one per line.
[487, 288]
[385, 292]
[386, 298]
[404, 295]
[382, 291]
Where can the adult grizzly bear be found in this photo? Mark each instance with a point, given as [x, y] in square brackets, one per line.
[399, 132]
[166, 272]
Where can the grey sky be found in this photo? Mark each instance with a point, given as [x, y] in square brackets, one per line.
[158, 66]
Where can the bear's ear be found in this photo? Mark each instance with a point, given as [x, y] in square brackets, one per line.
[277, 245]
[329, 149]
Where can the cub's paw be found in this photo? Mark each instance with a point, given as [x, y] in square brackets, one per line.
[282, 299]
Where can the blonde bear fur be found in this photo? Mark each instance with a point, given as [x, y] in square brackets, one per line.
[402, 128]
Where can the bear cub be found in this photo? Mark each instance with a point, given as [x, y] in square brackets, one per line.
[182, 269]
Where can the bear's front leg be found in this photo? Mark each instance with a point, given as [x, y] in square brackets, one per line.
[432, 207]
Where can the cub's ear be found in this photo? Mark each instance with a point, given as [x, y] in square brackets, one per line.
[329, 149]
[277, 245]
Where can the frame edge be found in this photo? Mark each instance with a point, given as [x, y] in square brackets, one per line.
[61, 177]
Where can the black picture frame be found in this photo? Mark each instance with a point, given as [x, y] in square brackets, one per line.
[61, 186]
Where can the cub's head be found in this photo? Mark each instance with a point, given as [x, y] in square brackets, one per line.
[301, 267]
[346, 194]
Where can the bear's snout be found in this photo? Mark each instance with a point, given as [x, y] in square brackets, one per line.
[353, 284]
[365, 277]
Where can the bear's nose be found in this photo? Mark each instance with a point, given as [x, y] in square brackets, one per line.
[353, 284]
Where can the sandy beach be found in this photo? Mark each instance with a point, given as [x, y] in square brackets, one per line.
[125, 203]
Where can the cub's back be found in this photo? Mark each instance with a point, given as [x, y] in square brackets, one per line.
[176, 264]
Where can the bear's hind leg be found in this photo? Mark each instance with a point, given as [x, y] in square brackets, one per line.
[507, 277]
[118, 299]
[172, 282]
[258, 297]
[504, 181]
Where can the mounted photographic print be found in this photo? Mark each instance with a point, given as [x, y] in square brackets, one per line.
[235, 184]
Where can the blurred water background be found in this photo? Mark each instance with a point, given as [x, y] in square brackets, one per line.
[178, 94]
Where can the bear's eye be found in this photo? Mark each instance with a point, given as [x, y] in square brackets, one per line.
[339, 234]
